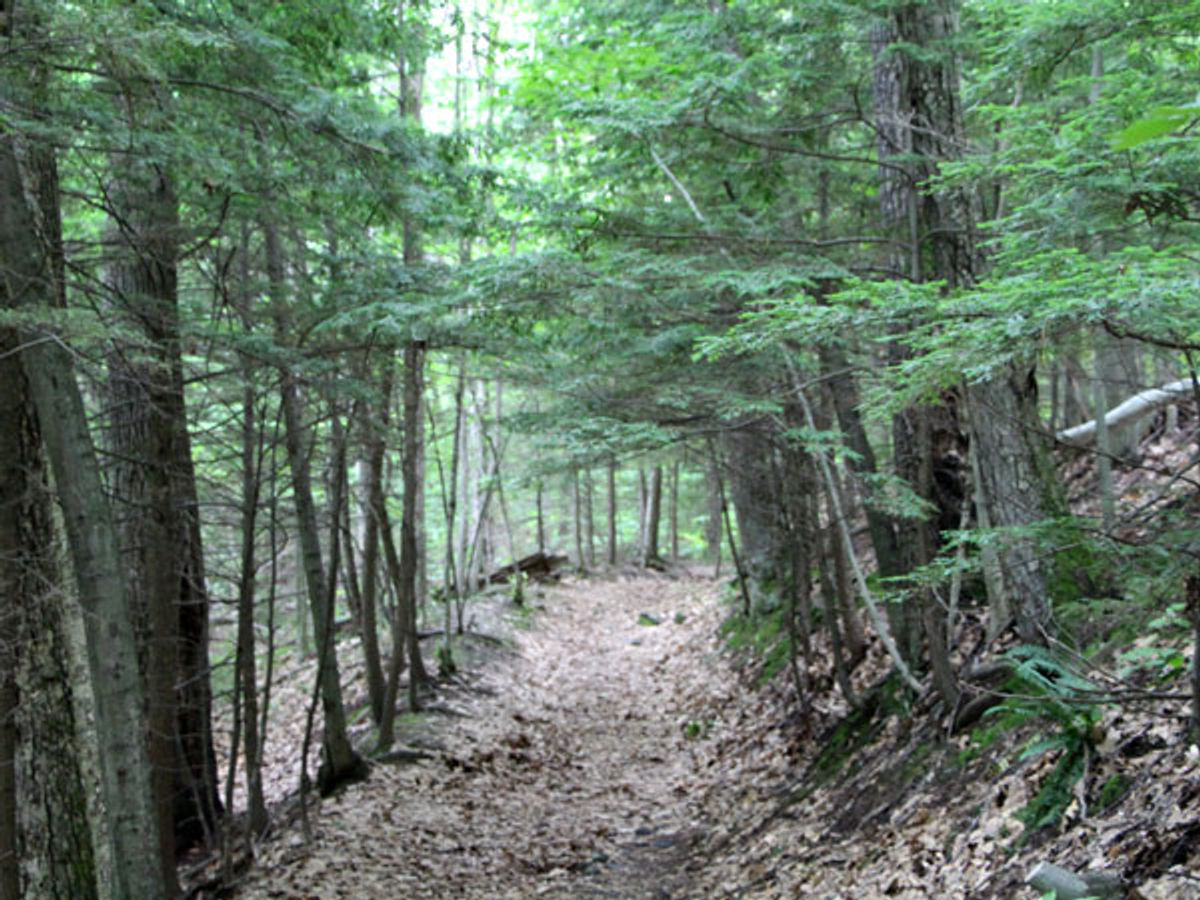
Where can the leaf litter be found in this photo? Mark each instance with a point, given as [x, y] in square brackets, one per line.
[605, 758]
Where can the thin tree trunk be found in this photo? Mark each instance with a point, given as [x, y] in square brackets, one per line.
[373, 423]
[1104, 445]
[340, 762]
[410, 528]
[843, 390]
[405, 640]
[577, 512]
[713, 529]
[612, 512]
[674, 512]
[831, 588]
[246, 656]
[843, 528]
[589, 517]
[643, 507]
[452, 500]
[733, 551]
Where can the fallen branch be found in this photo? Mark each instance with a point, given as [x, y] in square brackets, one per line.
[1130, 411]
[1066, 885]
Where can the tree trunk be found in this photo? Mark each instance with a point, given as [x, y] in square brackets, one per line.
[589, 518]
[30, 280]
[612, 512]
[577, 512]
[373, 422]
[842, 389]
[403, 565]
[643, 506]
[650, 553]
[153, 482]
[712, 528]
[414, 389]
[674, 511]
[1018, 484]
[754, 495]
[45, 844]
[339, 762]
[450, 578]
[247, 657]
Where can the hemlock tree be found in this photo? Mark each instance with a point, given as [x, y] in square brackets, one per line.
[29, 242]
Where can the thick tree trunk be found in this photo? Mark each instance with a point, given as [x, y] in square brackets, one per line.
[125, 783]
[1018, 484]
[45, 844]
[650, 552]
[153, 482]
[754, 493]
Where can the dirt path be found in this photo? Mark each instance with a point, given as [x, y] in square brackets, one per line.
[571, 773]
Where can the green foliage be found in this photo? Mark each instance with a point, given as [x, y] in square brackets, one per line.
[1162, 121]
[1044, 691]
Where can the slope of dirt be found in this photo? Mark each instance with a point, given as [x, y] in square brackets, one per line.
[570, 768]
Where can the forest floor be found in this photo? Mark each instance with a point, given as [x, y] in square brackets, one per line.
[569, 766]
[602, 755]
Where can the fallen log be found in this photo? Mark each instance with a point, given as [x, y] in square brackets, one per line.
[538, 566]
[1127, 413]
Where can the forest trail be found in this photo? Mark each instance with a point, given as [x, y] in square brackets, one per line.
[572, 770]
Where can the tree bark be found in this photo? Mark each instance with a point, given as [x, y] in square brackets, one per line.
[650, 552]
[577, 511]
[674, 511]
[247, 658]
[153, 482]
[843, 390]
[45, 844]
[589, 518]
[28, 235]
[612, 512]
[373, 422]
[712, 528]
[1018, 483]
[340, 762]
